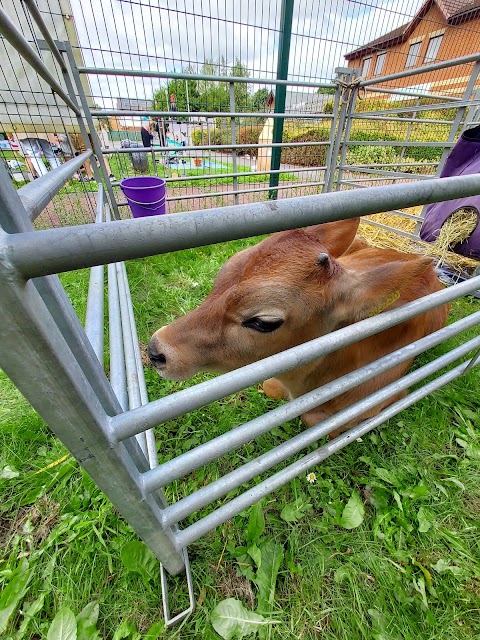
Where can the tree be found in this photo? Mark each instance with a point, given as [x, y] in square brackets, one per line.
[242, 102]
[161, 97]
[259, 99]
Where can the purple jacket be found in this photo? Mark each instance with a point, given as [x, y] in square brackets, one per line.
[464, 159]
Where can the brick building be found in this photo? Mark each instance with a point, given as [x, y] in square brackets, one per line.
[440, 30]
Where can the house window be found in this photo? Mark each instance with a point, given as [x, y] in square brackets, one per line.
[380, 63]
[413, 55]
[366, 67]
[432, 49]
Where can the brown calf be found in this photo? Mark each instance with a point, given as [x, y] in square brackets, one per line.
[293, 287]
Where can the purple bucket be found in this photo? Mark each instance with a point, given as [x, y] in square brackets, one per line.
[146, 195]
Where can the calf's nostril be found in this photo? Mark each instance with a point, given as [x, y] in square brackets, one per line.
[155, 357]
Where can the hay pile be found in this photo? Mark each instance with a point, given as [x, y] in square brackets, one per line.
[457, 228]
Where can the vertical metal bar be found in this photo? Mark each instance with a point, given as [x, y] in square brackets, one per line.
[234, 139]
[94, 320]
[451, 137]
[80, 122]
[353, 93]
[97, 147]
[343, 78]
[117, 356]
[330, 161]
[286, 18]
[133, 387]
[149, 434]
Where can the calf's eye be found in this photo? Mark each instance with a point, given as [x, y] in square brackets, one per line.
[263, 326]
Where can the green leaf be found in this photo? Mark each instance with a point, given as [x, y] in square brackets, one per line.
[425, 520]
[137, 557]
[254, 552]
[8, 472]
[126, 631]
[295, 511]
[155, 631]
[354, 512]
[29, 612]
[266, 578]
[231, 619]
[341, 574]
[87, 622]
[14, 592]
[442, 567]
[64, 626]
[256, 524]
[387, 476]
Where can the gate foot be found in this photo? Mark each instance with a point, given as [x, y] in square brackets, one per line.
[170, 622]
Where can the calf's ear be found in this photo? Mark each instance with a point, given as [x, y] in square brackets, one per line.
[336, 236]
[375, 290]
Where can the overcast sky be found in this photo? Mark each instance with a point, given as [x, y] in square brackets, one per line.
[169, 34]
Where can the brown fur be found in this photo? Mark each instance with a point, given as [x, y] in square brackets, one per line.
[280, 278]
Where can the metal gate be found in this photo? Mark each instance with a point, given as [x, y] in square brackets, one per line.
[107, 423]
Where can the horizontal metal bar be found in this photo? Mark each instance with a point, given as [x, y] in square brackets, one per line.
[205, 453]
[224, 513]
[219, 194]
[413, 94]
[20, 44]
[359, 116]
[397, 143]
[214, 147]
[445, 64]
[122, 113]
[147, 73]
[36, 195]
[393, 164]
[94, 325]
[352, 168]
[424, 107]
[215, 490]
[400, 232]
[62, 249]
[240, 174]
[37, 16]
[158, 411]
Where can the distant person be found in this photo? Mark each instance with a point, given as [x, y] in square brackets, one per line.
[147, 136]
[65, 145]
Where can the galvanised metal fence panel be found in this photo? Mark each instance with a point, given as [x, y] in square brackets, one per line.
[117, 70]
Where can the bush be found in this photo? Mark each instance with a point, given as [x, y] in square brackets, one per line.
[371, 155]
[249, 135]
[328, 107]
[306, 156]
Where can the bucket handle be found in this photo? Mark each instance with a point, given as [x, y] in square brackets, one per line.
[145, 204]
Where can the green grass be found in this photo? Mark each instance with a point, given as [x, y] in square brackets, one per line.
[410, 569]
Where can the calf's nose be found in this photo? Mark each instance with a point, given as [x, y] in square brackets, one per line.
[157, 358]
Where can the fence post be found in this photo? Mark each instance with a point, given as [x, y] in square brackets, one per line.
[336, 129]
[451, 137]
[281, 91]
[234, 139]
[93, 133]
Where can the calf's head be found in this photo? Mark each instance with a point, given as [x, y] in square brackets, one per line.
[288, 289]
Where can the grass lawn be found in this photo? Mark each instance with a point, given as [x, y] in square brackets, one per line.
[384, 545]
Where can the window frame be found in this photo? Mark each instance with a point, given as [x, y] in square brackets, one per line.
[383, 55]
[369, 59]
[417, 55]
[438, 38]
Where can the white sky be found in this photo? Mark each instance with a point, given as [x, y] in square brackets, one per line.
[169, 34]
